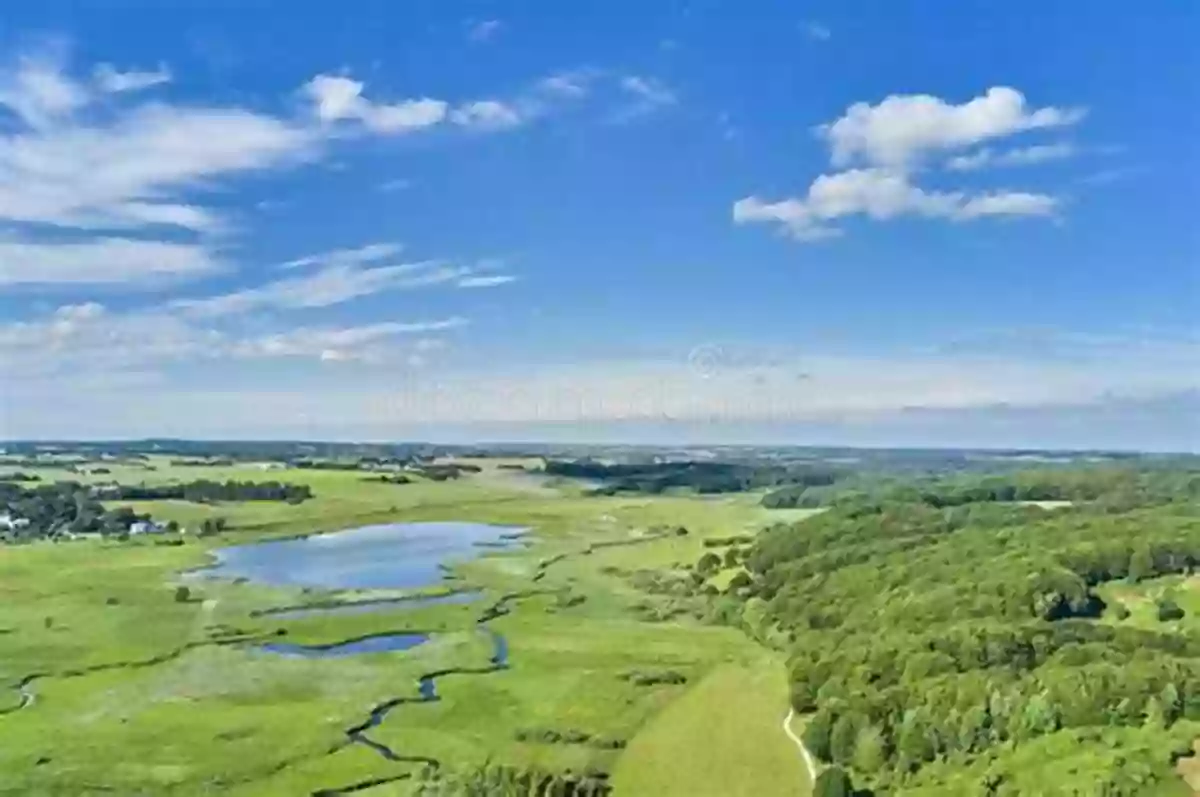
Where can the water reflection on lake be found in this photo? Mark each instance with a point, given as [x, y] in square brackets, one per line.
[390, 556]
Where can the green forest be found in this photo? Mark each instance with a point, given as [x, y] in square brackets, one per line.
[946, 639]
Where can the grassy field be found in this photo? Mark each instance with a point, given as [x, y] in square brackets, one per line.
[706, 741]
[127, 690]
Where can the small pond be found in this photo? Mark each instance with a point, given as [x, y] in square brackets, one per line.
[389, 556]
[378, 643]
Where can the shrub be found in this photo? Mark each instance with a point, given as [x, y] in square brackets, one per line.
[1169, 610]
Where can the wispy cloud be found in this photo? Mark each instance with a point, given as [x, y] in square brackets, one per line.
[338, 98]
[1021, 156]
[102, 261]
[487, 115]
[88, 338]
[483, 30]
[395, 184]
[109, 79]
[486, 281]
[329, 285]
[648, 95]
[817, 32]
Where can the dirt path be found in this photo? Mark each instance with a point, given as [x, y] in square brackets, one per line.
[809, 763]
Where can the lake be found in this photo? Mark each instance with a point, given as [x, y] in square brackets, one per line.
[388, 556]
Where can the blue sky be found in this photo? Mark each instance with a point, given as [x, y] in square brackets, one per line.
[825, 222]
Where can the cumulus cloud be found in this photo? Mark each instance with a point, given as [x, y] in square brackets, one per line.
[903, 129]
[1021, 156]
[109, 79]
[894, 140]
[880, 194]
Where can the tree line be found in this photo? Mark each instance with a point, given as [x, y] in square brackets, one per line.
[703, 477]
[206, 491]
[1115, 486]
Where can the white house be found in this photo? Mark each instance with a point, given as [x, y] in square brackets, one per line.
[8, 522]
[144, 527]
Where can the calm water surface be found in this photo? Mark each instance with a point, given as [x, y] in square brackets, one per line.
[390, 556]
[382, 643]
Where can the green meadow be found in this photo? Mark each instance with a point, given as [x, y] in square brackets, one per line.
[114, 684]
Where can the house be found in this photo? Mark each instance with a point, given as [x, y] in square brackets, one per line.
[106, 490]
[145, 527]
[8, 522]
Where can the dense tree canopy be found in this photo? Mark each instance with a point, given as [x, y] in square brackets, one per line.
[937, 631]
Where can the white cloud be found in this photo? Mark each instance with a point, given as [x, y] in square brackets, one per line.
[1022, 156]
[337, 98]
[340, 344]
[880, 194]
[487, 115]
[397, 184]
[902, 129]
[122, 171]
[112, 81]
[358, 255]
[331, 284]
[817, 31]
[567, 84]
[894, 138]
[87, 337]
[82, 339]
[37, 91]
[1008, 203]
[486, 281]
[653, 94]
[484, 30]
[102, 261]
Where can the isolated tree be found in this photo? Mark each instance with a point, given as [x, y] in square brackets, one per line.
[1169, 610]
[182, 594]
[709, 563]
